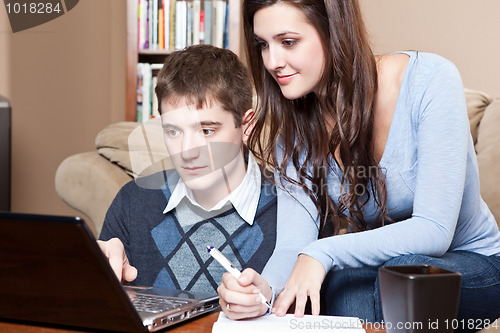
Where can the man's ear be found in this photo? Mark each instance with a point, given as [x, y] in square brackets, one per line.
[248, 123]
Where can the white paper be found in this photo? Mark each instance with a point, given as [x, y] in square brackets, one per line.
[288, 323]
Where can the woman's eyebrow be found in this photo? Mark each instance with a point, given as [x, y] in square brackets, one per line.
[278, 35]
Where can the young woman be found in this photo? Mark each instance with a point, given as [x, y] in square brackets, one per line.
[381, 143]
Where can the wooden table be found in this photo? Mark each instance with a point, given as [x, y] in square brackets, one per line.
[202, 324]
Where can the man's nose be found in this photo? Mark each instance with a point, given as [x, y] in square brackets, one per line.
[191, 147]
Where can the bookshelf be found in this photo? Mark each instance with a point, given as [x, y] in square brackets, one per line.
[136, 55]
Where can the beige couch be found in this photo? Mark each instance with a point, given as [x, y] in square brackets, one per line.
[89, 181]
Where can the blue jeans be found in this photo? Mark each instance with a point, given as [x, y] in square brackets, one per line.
[355, 291]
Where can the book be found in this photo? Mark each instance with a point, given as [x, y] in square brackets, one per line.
[207, 15]
[154, 25]
[143, 19]
[202, 26]
[166, 23]
[139, 99]
[226, 27]
[144, 109]
[218, 22]
[288, 323]
[161, 30]
[154, 100]
[150, 25]
[189, 23]
[196, 21]
[180, 24]
[171, 42]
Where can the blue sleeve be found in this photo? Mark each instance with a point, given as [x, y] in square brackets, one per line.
[296, 227]
[115, 222]
[442, 129]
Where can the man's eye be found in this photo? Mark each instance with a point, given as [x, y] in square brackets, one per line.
[207, 131]
[289, 42]
[171, 132]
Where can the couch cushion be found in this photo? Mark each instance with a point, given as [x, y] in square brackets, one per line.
[488, 157]
[477, 102]
[134, 147]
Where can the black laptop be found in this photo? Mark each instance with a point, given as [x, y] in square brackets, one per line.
[52, 271]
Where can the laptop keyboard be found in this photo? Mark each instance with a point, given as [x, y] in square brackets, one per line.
[156, 304]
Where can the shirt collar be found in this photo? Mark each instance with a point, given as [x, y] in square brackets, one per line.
[245, 198]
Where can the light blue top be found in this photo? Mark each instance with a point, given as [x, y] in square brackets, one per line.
[432, 184]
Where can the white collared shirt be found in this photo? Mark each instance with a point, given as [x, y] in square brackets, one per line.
[245, 198]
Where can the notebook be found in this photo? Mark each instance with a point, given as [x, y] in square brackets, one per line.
[52, 271]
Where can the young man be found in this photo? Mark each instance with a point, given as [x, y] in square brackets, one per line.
[216, 196]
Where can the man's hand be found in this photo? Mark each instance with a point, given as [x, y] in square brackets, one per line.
[240, 298]
[305, 281]
[114, 251]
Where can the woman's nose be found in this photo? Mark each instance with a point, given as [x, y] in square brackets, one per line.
[273, 59]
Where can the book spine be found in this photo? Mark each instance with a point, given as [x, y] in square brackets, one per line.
[189, 23]
[161, 30]
[142, 23]
[226, 27]
[149, 37]
[146, 92]
[196, 21]
[207, 10]
[218, 25]
[202, 26]
[180, 24]
[154, 100]
[139, 90]
[154, 25]
[166, 23]
[173, 5]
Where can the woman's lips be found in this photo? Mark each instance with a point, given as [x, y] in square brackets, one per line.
[284, 79]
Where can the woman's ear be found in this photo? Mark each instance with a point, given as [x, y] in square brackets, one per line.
[247, 124]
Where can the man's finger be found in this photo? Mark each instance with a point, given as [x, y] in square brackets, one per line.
[231, 283]
[116, 262]
[129, 272]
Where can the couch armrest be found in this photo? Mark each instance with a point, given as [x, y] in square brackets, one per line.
[88, 183]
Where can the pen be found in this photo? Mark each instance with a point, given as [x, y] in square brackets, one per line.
[221, 259]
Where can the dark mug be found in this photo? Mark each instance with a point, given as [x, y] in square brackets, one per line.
[419, 298]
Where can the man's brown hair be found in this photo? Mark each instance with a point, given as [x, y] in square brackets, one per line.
[203, 74]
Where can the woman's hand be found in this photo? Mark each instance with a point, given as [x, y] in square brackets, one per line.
[240, 298]
[306, 280]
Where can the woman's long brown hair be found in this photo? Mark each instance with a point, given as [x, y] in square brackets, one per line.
[345, 98]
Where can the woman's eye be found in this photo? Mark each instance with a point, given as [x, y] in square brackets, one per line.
[259, 44]
[207, 131]
[289, 42]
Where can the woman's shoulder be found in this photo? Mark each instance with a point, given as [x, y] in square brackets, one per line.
[416, 60]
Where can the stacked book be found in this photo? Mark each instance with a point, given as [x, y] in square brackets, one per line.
[175, 24]
[147, 103]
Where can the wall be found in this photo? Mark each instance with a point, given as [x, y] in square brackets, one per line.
[66, 78]
[66, 83]
[464, 31]
[5, 34]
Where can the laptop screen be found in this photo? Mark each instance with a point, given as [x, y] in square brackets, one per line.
[53, 271]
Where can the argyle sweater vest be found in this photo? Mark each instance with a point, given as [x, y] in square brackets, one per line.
[170, 250]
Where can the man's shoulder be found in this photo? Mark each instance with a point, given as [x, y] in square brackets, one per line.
[150, 185]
